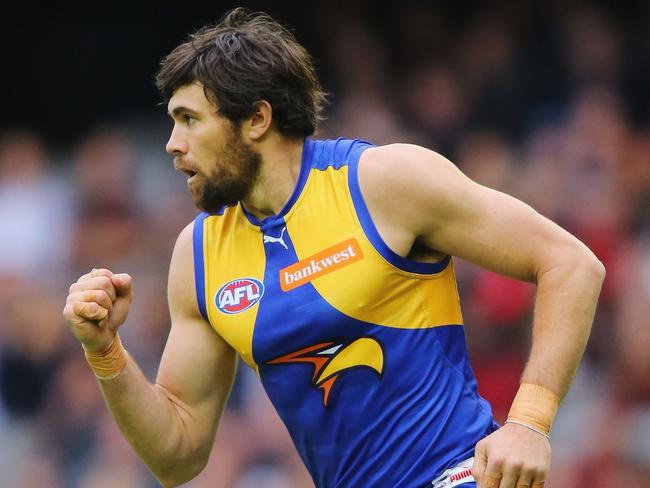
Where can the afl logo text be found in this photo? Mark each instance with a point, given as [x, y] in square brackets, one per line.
[238, 295]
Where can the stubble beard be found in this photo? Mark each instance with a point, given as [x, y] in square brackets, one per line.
[233, 178]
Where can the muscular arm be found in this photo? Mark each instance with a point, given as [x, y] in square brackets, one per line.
[443, 210]
[446, 211]
[172, 423]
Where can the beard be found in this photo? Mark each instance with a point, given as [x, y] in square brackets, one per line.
[233, 177]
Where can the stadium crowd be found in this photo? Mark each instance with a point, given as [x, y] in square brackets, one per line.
[553, 110]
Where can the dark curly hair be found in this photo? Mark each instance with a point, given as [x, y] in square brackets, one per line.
[247, 57]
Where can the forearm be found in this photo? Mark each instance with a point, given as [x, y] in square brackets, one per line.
[171, 424]
[565, 304]
[155, 424]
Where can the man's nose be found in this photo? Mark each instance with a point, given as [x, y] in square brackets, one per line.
[176, 144]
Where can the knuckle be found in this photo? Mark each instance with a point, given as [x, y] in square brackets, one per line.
[497, 460]
[104, 282]
[94, 295]
[76, 310]
[101, 295]
[527, 468]
[532, 470]
[539, 469]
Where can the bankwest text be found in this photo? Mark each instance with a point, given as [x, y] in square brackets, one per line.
[322, 263]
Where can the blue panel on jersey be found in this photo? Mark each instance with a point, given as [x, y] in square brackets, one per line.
[371, 231]
[400, 390]
[199, 272]
[452, 341]
[335, 153]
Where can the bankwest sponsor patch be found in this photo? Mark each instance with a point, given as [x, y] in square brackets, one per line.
[320, 264]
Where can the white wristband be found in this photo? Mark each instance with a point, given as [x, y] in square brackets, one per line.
[528, 427]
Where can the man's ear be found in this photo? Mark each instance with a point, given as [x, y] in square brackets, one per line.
[259, 122]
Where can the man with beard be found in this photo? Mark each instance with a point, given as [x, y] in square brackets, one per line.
[326, 266]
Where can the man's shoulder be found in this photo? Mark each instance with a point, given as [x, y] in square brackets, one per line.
[403, 151]
[402, 165]
[386, 159]
[186, 235]
[403, 185]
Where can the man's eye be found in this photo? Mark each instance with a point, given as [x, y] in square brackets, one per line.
[189, 120]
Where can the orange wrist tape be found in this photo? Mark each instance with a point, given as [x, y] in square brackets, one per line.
[534, 407]
[110, 362]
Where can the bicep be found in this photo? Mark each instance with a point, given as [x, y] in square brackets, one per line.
[197, 367]
[446, 211]
[494, 230]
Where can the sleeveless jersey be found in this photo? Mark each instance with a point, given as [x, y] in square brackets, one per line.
[361, 351]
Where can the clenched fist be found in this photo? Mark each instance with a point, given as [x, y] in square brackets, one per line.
[97, 305]
[512, 457]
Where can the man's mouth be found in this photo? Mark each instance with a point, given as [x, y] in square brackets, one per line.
[189, 172]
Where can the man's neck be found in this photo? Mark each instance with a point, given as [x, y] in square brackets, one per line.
[281, 163]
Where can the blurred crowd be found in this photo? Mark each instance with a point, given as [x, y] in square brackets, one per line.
[543, 108]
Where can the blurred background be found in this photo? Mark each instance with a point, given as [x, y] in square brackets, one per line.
[547, 101]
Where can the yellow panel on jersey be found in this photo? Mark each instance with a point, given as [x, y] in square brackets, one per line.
[234, 262]
[406, 299]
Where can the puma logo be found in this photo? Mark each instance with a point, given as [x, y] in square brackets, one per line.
[276, 239]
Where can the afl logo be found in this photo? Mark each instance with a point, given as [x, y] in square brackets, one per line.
[239, 295]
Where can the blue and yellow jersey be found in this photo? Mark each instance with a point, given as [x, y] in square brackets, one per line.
[361, 351]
